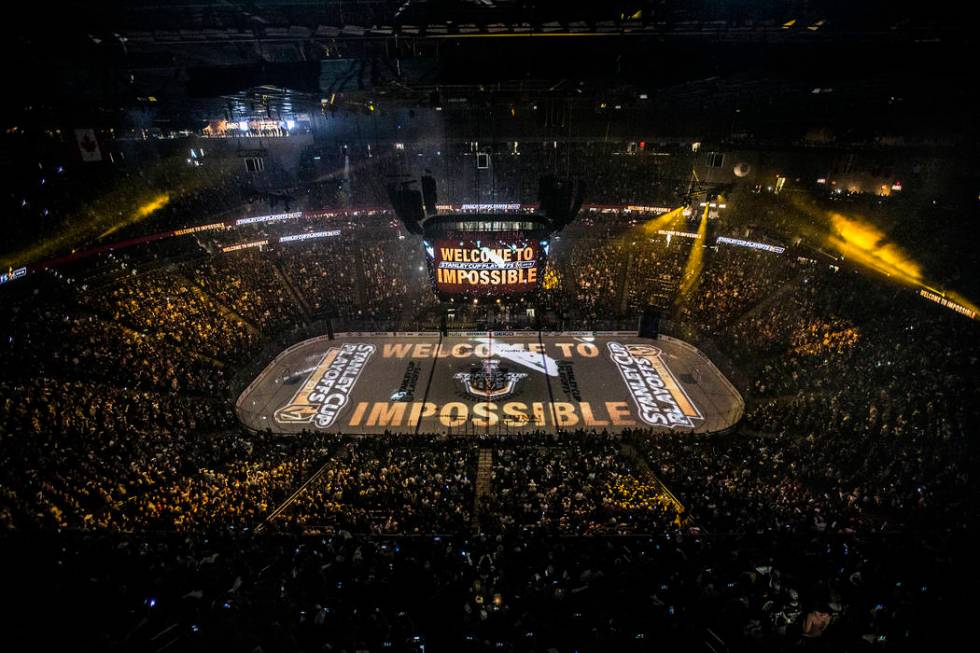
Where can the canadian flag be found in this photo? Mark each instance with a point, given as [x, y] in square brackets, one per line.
[88, 146]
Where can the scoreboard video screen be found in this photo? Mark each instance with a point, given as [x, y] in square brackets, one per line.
[474, 265]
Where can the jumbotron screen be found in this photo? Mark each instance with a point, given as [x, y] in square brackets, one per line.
[475, 265]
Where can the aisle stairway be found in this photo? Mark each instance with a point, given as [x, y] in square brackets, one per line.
[484, 470]
[295, 295]
[227, 311]
[767, 301]
[644, 468]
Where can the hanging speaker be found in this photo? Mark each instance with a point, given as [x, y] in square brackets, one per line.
[429, 197]
[408, 205]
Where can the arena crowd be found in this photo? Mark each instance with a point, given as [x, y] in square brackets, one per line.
[829, 518]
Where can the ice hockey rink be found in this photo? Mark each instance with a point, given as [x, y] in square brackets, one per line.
[480, 382]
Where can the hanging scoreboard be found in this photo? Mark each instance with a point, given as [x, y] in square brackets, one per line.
[473, 265]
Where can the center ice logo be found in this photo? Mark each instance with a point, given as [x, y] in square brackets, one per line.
[489, 381]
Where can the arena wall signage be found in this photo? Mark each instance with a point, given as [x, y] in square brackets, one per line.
[310, 236]
[490, 207]
[751, 244]
[682, 234]
[214, 226]
[274, 217]
[316, 215]
[249, 245]
[656, 210]
[951, 305]
[328, 387]
[660, 400]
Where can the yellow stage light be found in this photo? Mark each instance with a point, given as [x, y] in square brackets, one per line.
[867, 245]
[662, 222]
[864, 244]
[143, 211]
[695, 261]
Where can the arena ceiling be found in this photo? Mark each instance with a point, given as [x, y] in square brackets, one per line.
[183, 61]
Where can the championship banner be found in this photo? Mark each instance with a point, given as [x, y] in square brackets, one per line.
[327, 389]
[660, 400]
[88, 145]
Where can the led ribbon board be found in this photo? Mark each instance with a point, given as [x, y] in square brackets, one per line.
[274, 217]
[310, 236]
[204, 227]
[656, 210]
[240, 246]
[751, 244]
[681, 234]
[951, 305]
[490, 207]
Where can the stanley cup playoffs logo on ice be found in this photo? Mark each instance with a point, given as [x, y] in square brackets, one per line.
[659, 398]
[490, 381]
[327, 390]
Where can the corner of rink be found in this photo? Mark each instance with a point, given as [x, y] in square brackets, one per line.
[481, 382]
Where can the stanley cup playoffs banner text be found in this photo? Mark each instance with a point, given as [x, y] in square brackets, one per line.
[327, 389]
[497, 266]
